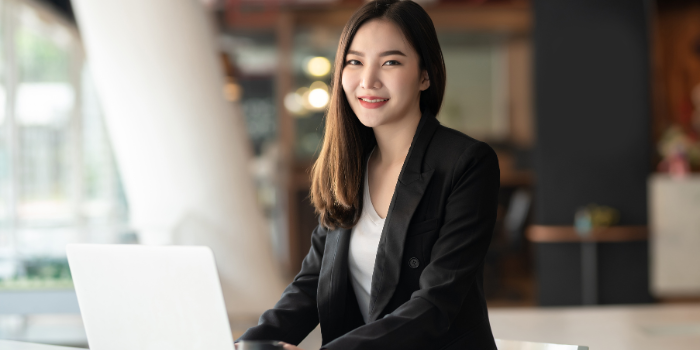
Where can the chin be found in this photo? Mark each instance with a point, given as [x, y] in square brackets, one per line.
[370, 121]
[371, 118]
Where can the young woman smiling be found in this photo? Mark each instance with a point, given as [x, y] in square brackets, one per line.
[406, 206]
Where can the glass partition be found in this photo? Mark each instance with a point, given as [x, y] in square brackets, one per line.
[476, 98]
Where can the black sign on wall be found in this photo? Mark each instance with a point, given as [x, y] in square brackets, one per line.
[593, 112]
[592, 74]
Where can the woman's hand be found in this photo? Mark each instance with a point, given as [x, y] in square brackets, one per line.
[290, 346]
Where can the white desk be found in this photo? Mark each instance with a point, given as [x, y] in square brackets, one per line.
[15, 345]
[523, 345]
[502, 345]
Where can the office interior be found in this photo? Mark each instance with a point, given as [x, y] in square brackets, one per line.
[195, 122]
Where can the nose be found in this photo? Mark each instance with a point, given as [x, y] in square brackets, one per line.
[370, 78]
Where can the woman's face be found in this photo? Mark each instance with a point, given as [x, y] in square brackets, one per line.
[381, 78]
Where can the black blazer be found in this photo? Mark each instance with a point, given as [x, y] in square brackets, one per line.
[427, 288]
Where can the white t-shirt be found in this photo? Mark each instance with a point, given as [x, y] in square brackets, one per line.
[364, 241]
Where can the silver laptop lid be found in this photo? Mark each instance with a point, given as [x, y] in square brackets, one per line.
[144, 297]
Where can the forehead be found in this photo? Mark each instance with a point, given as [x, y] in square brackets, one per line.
[380, 35]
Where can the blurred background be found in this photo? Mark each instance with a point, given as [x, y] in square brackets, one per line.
[197, 121]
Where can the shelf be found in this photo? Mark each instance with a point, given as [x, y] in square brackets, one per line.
[559, 234]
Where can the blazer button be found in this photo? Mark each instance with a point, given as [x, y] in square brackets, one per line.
[413, 263]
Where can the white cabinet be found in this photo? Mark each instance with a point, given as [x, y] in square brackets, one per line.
[674, 222]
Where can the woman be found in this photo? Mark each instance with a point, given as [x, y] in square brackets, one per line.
[406, 206]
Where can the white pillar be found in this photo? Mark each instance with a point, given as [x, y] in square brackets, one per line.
[181, 148]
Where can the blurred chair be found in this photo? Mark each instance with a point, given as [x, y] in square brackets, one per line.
[516, 217]
[507, 240]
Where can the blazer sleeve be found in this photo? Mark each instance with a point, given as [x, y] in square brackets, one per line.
[456, 258]
[295, 315]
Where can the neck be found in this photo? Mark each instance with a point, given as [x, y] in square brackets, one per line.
[394, 140]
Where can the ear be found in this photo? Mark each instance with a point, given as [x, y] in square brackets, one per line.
[424, 80]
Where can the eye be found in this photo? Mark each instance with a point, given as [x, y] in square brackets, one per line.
[392, 63]
[352, 63]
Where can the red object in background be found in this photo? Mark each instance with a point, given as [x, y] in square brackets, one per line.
[678, 166]
[252, 13]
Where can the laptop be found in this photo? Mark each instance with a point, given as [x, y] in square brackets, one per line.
[145, 297]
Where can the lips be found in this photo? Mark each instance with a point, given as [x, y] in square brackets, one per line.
[372, 102]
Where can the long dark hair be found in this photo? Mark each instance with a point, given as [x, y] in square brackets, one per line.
[337, 175]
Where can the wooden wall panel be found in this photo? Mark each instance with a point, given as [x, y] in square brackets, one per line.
[676, 64]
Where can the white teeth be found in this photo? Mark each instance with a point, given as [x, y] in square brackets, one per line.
[373, 101]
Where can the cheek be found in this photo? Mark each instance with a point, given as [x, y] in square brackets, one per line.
[349, 86]
[403, 85]
[349, 81]
[345, 81]
[411, 81]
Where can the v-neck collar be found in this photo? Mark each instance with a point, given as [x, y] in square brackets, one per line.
[368, 205]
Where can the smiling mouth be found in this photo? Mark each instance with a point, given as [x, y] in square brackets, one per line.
[373, 101]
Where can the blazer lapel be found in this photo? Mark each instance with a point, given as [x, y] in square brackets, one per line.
[408, 192]
[332, 295]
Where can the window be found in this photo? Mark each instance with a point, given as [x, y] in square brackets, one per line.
[58, 178]
[476, 93]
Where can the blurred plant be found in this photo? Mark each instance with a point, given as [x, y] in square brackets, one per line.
[47, 268]
[680, 152]
[40, 273]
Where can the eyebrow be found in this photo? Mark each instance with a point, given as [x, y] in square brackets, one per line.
[385, 53]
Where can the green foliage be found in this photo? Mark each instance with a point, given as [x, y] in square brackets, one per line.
[41, 273]
[47, 268]
[40, 59]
